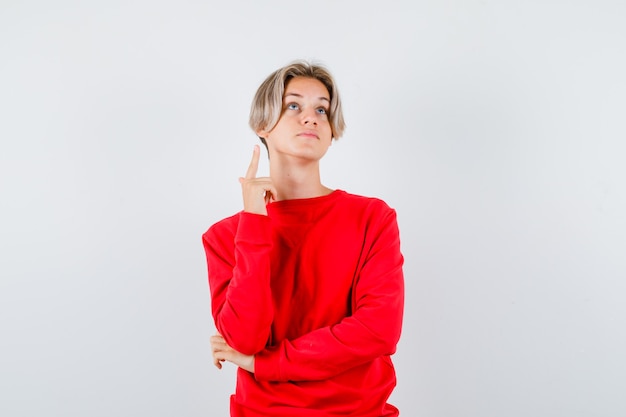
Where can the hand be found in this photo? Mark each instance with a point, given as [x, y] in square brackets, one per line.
[222, 352]
[257, 192]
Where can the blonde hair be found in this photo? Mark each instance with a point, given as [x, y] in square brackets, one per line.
[267, 104]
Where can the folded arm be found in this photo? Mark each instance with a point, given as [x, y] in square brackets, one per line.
[372, 330]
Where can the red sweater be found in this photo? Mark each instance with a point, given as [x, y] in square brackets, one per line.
[315, 291]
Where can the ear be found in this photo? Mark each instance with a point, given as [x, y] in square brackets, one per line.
[262, 133]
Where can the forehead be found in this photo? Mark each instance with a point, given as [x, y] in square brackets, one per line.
[306, 87]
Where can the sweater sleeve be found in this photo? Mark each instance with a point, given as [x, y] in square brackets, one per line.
[373, 330]
[239, 279]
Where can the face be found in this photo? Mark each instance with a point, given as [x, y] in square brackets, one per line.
[303, 130]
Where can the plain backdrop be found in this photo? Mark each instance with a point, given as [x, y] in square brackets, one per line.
[496, 129]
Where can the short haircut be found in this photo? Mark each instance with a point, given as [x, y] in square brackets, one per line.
[267, 105]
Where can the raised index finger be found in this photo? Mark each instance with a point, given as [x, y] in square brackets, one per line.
[254, 164]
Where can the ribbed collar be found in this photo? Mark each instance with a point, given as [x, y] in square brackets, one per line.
[302, 210]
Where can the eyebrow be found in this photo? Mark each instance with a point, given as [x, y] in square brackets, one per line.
[300, 96]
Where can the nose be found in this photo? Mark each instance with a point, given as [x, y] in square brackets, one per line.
[309, 118]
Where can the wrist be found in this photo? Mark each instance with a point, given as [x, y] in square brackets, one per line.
[249, 364]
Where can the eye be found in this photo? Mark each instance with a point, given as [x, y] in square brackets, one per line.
[293, 106]
[322, 110]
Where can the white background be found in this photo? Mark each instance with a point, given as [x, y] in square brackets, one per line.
[496, 129]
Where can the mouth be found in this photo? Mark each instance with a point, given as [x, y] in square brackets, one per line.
[308, 134]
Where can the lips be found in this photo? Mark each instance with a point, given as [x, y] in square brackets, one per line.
[308, 134]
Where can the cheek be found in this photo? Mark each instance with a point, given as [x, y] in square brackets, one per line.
[328, 129]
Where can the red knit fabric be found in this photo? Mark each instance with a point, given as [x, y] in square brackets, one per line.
[315, 291]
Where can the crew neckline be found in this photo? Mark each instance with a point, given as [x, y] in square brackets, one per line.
[307, 201]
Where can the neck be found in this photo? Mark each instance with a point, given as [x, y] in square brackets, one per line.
[296, 181]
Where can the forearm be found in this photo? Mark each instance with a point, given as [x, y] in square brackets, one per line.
[373, 331]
